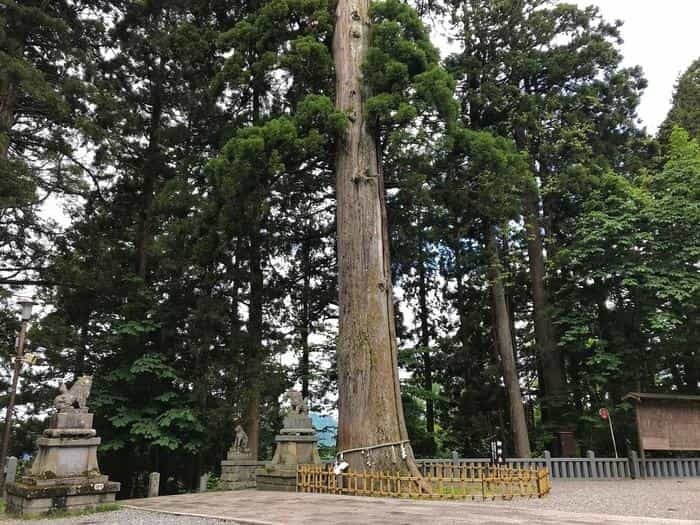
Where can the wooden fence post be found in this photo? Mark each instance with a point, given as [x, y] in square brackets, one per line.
[548, 462]
[483, 486]
[634, 464]
[10, 472]
[592, 470]
[153, 484]
[10, 469]
[203, 481]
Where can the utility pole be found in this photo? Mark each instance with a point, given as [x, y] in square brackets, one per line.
[19, 359]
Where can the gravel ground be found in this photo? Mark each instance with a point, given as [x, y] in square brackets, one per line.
[671, 498]
[675, 499]
[121, 517]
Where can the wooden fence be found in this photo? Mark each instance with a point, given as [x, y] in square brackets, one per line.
[590, 467]
[446, 482]
[668, 468]
[558, 468]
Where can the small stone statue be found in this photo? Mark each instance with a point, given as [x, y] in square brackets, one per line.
[240, 444]
[298, 402]
[74, 398]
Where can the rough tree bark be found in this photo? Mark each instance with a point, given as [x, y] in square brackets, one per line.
[427, 358]
[547, 345]
[7, 101]
[151, 167]
[8, 90]
[549, 353]
[369, 401]
[504, 342]
[305, 328]
[255, 356]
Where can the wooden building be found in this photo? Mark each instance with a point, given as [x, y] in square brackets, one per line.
[669, 422]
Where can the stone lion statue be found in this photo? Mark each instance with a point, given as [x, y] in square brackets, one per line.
[241, 441]
[298, 402]
[74, 398]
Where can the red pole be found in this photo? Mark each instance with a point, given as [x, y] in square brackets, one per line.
[612, 434]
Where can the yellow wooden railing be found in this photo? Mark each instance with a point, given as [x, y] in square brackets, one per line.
[449, 482]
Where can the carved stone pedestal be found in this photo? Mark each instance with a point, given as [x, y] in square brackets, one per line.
[296, 444]
[238, 470]
[64, 474]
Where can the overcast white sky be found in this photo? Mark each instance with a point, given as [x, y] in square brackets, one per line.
[663, 37]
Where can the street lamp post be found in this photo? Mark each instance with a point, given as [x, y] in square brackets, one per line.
[26, 314]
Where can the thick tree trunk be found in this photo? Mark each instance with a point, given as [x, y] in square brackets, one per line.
[427, 358]
[234, 272]
[255, 348]
[548, 349]
[81, 353]
[305, 364]
[252, 422]
[256, 356]
[150, 167]
[305, 329]
[504, 343]
[143, 228]
[464, 332]
[369, 400]
[7, 100]
[201, 392]
[8, 88]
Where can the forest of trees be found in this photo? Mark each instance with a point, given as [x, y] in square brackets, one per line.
[168, 195]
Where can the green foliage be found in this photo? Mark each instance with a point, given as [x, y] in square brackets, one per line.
[402, 69]
[451, 181]
[547, 76]
[41, 44]
[629, 314]
[685, 106]
[197, 139]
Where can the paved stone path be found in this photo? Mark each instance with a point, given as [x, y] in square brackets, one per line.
[252, 507]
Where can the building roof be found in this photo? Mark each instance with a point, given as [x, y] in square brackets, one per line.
[639, 396]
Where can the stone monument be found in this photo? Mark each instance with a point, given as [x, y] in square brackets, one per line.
[64, 474]
[238, 469]
[296, 444]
